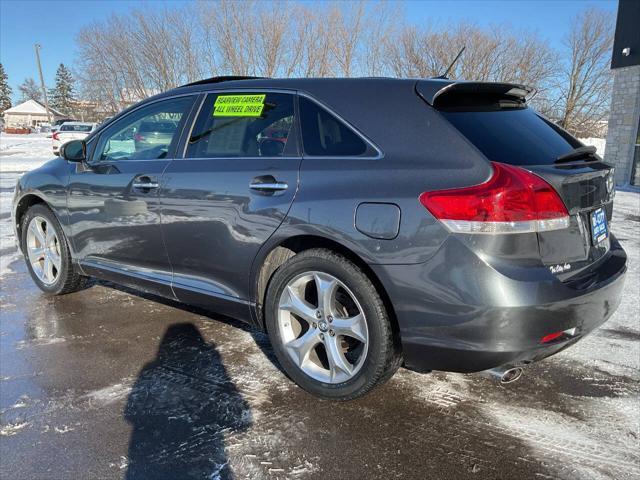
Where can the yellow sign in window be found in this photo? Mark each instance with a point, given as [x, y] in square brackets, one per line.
[239, 105]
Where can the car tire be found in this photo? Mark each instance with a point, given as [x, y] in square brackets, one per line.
[46, 253]
[356, 312]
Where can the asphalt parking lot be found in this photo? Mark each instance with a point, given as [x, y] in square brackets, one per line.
[111, 383]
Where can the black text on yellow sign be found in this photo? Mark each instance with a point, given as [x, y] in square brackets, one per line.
[239, 105]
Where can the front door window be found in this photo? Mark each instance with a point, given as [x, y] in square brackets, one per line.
[149, 133]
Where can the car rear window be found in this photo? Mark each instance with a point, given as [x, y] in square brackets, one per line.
[517, 136]
[76, 128]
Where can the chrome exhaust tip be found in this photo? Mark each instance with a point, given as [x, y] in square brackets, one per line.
[506, 373]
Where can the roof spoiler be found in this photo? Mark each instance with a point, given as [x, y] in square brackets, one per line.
[433, 91]
[220, 79]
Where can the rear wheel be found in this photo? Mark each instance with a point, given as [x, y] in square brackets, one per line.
[46, 252]
[329, 327]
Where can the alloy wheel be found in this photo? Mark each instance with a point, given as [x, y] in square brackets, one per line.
[43, 249]
[323, 327]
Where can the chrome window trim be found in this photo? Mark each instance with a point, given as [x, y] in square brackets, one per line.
[379, 154]
[240, 158]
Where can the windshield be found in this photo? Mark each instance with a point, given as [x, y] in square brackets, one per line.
[516, 136]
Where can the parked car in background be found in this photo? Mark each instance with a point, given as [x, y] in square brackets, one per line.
[56, 125]
[470, 233]
[154, 134]
[71, 131]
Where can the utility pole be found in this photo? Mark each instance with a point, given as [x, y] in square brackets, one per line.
[44, 89]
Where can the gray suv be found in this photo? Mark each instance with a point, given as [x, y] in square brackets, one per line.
[363, 223]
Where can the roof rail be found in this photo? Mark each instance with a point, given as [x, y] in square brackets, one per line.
[224, 78]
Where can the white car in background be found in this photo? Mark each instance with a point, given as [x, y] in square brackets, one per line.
[71, 131]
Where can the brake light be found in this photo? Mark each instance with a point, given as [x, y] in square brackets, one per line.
[55, 136]
[139, 138]
[513, 200]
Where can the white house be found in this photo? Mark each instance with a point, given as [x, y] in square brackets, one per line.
[29, 114]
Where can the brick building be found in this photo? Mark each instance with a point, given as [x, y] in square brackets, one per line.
[623, 137]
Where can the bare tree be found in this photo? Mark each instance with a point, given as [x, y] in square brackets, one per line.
[126, 58]
[495, 54]
[29, 90]
[313, 45]
[585, 85]
[347, 24]
[375, 36]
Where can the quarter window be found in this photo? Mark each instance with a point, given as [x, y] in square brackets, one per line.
[325, 135]
[148, 133]
[244, 125]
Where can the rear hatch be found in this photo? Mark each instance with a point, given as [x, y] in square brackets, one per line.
[497, 121]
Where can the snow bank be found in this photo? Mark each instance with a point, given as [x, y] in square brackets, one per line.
[18, 154]
[21, 153]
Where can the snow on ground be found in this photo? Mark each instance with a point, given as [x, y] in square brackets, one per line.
[18, 154]
[575, 414]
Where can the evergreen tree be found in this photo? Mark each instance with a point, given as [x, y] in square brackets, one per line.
[5, 91]
[30, 90]
[61, 96]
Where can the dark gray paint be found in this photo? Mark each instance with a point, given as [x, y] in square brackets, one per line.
[461, 302]
[378, 220]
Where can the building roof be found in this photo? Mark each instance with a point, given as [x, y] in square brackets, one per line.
[31, 107]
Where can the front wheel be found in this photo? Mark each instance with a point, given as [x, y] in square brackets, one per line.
[329, 327]
[46, 252]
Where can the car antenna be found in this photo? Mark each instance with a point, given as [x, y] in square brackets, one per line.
[445, 76]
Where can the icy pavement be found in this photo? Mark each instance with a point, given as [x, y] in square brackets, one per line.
[110, 383]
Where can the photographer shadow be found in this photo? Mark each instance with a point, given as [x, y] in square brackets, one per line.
[181, 406]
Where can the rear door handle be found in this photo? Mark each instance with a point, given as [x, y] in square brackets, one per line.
[267, 183]
[145, 183]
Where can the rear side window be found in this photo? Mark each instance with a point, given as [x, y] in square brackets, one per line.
[325, 135]
[516, 136]
[244, 125]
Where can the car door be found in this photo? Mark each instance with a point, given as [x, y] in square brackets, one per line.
[228, 194]
[113, 204]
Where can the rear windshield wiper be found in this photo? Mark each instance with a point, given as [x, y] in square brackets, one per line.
[585, 151]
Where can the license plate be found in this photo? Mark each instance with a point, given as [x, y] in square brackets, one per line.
[599, 228]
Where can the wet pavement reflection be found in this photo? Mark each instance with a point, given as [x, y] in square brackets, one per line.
[110, 383]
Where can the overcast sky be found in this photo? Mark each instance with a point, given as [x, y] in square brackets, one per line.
[54, 24]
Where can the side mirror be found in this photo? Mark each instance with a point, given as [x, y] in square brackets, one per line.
[74, 151]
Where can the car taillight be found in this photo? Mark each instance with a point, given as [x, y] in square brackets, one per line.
[139, 138]
[55, 136]
[513, 200]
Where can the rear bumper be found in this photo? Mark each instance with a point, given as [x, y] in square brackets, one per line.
[456, 313]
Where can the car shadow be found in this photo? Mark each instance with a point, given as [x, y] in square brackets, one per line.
[260, 337]
[181, 406]
[184, 400]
